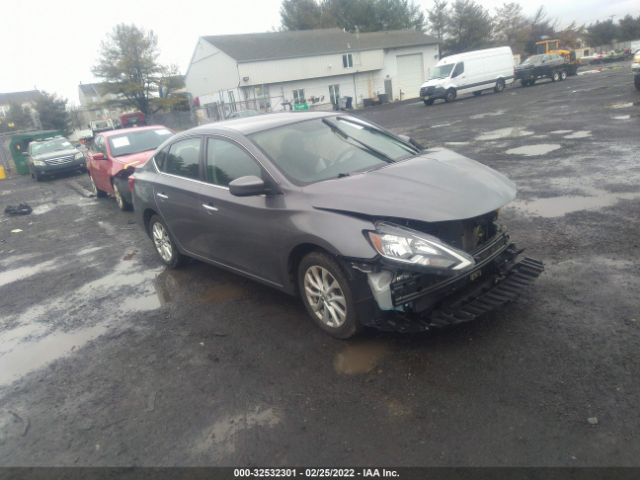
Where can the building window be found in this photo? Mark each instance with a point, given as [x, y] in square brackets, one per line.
[298, 95]
[232, 101]
[334, 94]
[347, 60]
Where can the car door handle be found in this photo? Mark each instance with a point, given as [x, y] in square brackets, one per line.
[209, 208]
[162, 196]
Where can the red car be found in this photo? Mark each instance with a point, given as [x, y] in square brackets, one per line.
[113, 156]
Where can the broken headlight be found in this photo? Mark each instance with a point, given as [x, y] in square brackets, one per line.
[404, 245]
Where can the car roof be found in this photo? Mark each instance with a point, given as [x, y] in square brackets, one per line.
[120, 131]
[258, 123]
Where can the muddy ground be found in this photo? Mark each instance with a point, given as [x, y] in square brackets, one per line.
[106, 358]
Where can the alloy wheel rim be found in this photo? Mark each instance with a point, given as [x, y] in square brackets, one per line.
[162, 241]
[325, 296]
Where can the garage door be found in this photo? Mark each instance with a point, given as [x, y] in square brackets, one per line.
[410, 74]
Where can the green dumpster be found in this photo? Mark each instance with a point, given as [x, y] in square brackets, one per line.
[20, 143]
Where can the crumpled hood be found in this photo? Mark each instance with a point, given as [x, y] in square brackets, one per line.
[135, 159]
[439, 185]
[59, 153]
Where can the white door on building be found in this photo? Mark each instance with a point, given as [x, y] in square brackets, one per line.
[410, 75]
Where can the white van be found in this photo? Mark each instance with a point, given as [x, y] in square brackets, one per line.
[470, 72]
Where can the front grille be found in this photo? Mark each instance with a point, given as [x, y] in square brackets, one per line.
[59, 160]
[426, 91]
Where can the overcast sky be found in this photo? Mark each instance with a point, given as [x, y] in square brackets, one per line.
[51, 45]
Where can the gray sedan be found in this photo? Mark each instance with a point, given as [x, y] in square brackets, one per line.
[368, 228]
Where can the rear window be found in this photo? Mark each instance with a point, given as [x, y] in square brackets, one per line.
[138, 141]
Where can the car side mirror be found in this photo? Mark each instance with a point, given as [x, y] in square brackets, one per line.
[247, 186]
[98, 156]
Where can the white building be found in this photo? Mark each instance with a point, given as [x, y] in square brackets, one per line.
[277, 69]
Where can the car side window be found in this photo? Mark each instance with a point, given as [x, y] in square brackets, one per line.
[160, 158]
[183, 159]
[227, 161]
[458, 69]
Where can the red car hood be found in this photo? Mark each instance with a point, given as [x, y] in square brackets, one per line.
[133, 160]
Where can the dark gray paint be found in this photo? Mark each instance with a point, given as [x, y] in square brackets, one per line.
[255, 235]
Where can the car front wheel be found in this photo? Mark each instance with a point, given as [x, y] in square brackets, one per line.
[165, 246]
[499, 86]
[123, 204]
[450, 96]
[327, 295]
[555, 76]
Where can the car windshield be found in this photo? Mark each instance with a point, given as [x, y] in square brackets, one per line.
[533, 59]
[441, 71]
[316, 150]
[54, 145]
[138, 141]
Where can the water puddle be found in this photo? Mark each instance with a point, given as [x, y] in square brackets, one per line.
[534, 150]
[33, 355]
[40, 209]
[221, 437]
[88, 251]
[579, 134]
[225, 292]
[510, 132]
[30, 339]
[456, 143]
[397, 409]
[359, 358]
[478, 116]
[559, 206]
[560, 132]
[621, 117]
[10, 276]
[617, 106]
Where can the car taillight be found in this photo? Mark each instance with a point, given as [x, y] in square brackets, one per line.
[131, 181]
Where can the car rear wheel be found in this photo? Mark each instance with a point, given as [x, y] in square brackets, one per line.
[165, 246]
[450, 95]
[96, 191]
[563, 75]
[326, 294]
[555, 76]
[499, 86]
[120, 200]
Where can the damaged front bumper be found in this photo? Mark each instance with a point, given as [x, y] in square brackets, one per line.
[418, 301]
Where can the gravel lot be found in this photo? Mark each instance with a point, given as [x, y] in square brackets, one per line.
[106, 358]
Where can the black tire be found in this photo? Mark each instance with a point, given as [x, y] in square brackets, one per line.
[96, 191]
[350, 324]
[37, 176]
[123, 204]
[563, 75]
[555, 76]
[636, 82]
[524, 83]
[450, 96]
[478, 93]
[428, 102]
[499, 88]
[171, 257]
